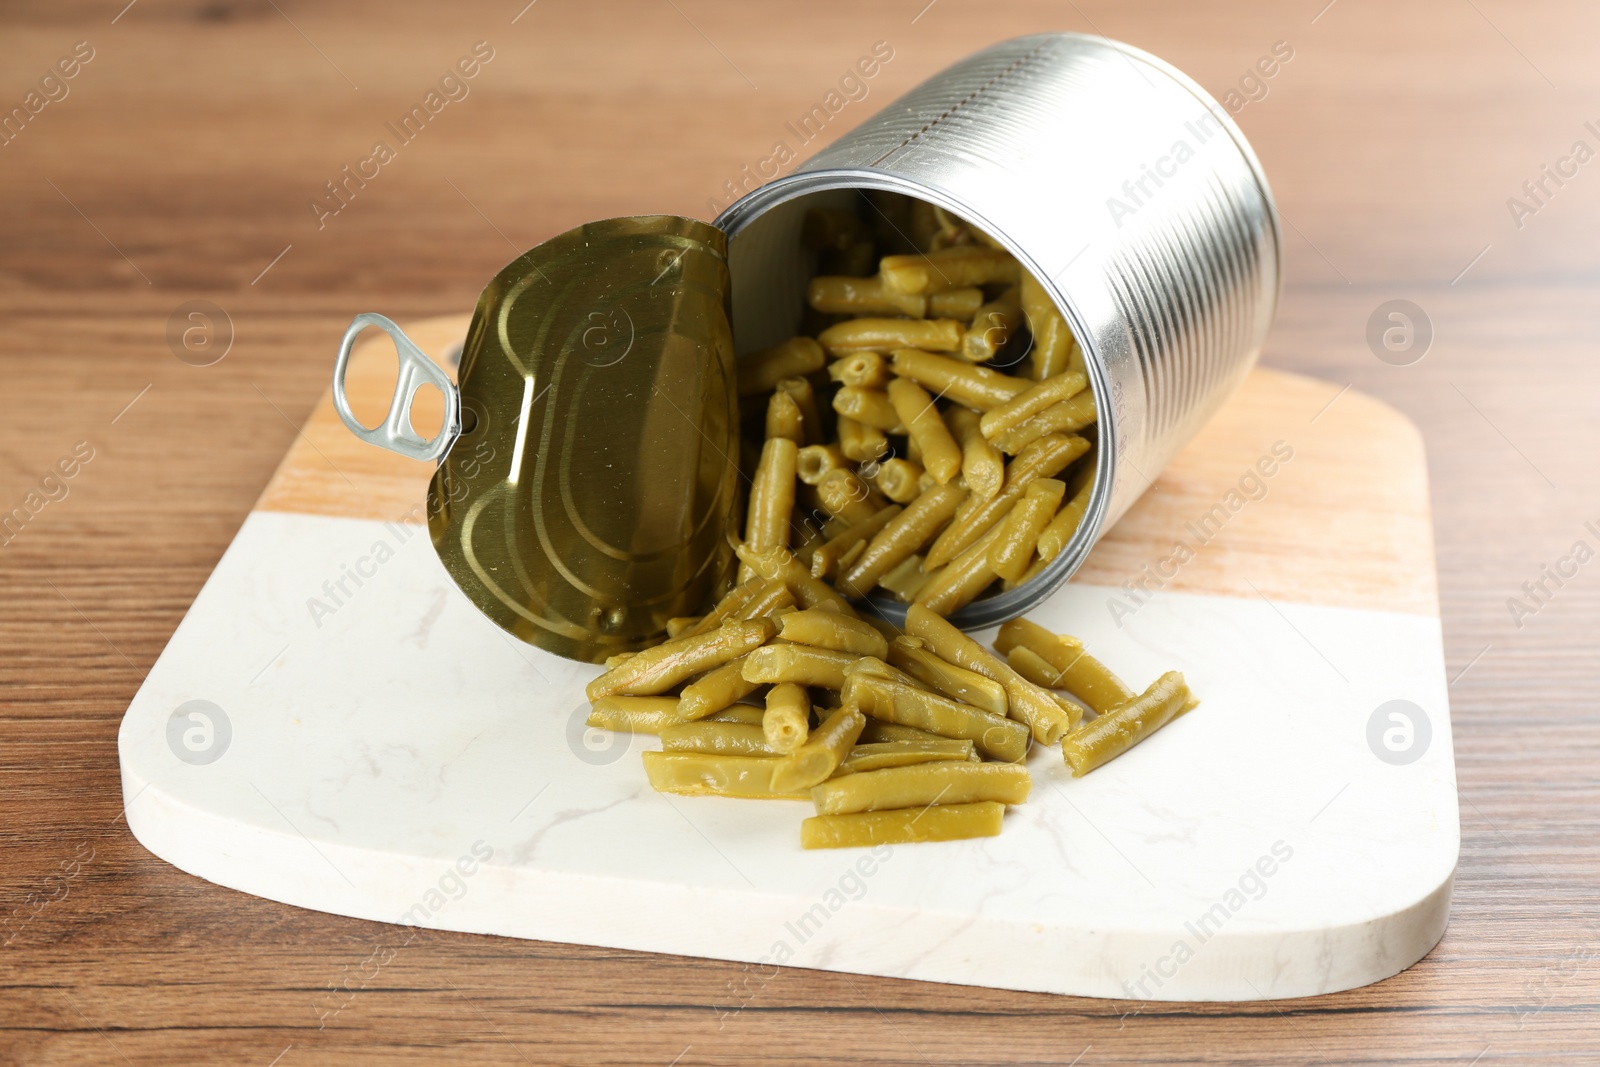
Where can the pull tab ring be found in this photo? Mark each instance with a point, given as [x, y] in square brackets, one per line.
[395, 433]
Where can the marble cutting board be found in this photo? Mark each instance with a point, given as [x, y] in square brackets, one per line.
[333, 726]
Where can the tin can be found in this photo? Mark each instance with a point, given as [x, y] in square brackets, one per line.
[1120, 184]
[600, 363]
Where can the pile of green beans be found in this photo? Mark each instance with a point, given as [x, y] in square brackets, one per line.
[892, 446]
[930, 431]
[894, 736]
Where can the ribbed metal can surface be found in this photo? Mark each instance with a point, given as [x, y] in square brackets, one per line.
[1119, 183]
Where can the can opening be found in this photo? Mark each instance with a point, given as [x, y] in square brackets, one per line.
[771, 266]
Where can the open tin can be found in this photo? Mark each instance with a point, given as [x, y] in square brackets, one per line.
[599, 366]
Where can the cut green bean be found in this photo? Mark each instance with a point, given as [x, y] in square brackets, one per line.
[996, 737]
[800, 664]
[1112, 734]
[822, 753]
[655, 670]
[874, 757]
[955, 682]
[635, 715]
[719, 738]
[829, 629]
[1047, 719]
[715, 690]
[942, 822]
[743, 714]
[703, 774]
[922, 784]
[787, 720]
[1069, 665]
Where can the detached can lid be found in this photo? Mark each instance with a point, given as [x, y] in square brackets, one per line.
[588, 466]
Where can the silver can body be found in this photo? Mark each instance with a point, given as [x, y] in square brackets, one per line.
[1119, 183]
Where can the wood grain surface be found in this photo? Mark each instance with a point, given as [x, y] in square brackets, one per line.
[178, 164]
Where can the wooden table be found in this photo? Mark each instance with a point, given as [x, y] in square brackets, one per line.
[179, 166]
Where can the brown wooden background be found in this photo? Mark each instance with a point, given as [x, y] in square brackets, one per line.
[179, 167]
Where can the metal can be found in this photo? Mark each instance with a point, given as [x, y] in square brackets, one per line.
[1120, 184]
[1114, 179]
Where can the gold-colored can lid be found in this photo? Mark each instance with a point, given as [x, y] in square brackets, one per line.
[589, 493]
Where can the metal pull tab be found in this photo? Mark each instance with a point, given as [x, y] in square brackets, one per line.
[395, 432]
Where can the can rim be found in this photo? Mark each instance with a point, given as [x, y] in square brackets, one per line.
[1011, 603]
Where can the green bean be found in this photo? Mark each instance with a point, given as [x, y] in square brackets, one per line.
[1055, 350]
[903, 535]
[763, 370]
[960, 304]
[898, 479]
[905, 579]
[1036, 303]
[742, 714]
[715, 690]
[808, 592]
[879, 732]
[882, 335]
[772, 496]
[1047, 719]
[957, 584]
[800, 664]
[949, 268]
[1024, 405]
[787, 720]
[773, 597]
[702, 774]
[635, 715]
[957, 683]
[964, 383]
[865, 370]
[784, 418]
[922, 784]
[847, 497]
[1119, 729]
[1065, 524]
[1034, 570]
[992, 326]
[822, 753]
[804, 395]
[1069, 666]
[862, 296]
[829, 629]
[873, 757]
[724, 609]
[1066, 417]
[813, 462]
[996, 737]
[828, 558]
[942, 822]
[879, 668]
[870, 407]
[983, 467]
[858, 441]
[937, 449]
[1043, 458]
[655, 670]
[725, 738]
[1012, 551]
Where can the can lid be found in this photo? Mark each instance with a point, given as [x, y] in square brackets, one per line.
[589, 495]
